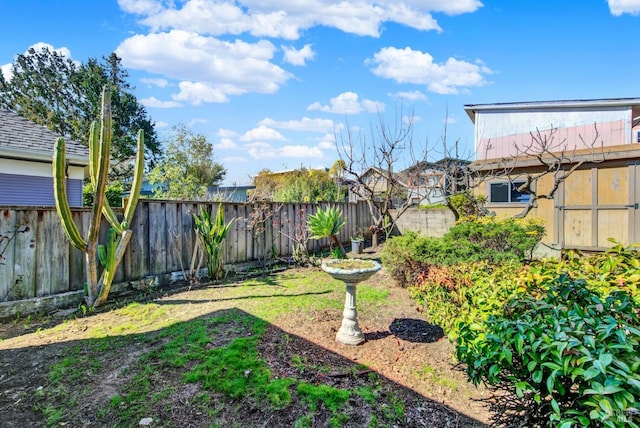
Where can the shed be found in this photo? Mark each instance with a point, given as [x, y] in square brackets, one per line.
[598, 139]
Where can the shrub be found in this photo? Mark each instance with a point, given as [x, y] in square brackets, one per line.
[113, 193]
[211, 234]
[404, 262]
[563, 356]
[617, 269]
[467, 293]
[485, 239]
[327, 223]
[499, 239]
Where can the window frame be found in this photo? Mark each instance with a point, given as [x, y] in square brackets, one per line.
[521, 198]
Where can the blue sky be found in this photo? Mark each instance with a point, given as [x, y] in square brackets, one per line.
[270, 82]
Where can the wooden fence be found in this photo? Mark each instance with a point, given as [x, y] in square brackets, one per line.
[38, 260]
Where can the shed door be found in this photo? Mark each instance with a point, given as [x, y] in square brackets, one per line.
[599, 203]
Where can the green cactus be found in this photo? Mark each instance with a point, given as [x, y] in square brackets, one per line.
[119, 233]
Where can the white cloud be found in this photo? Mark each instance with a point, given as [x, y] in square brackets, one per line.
[161, 124]
[198, 92]
[410, 66]
[327, 142]
[305, 124]
[348, 103]
[262, 150]
[161, 83]
[286, 19]
[619, 7]
[7, 71]
[262, 133]
[225, 144]
[226, 133]
[209, 69]
[141, 7]
[154, 102]
[234, 159]
[193, 122]
[409, 96]
[411, 119]
[298, 56]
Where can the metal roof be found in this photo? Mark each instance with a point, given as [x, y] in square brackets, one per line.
[22, 139]
[471, 109]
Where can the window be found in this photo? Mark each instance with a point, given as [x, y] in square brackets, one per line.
[507, 193]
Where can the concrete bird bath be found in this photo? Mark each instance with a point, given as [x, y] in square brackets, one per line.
[351, 272]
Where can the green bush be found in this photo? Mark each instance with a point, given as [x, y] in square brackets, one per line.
[484, 239]
[113, 193]
[498, 239]
[617, 269]
[562, 356]
[450, 296]
[327, 223]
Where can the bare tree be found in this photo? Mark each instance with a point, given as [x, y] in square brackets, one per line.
[372, 167]
[392, 173]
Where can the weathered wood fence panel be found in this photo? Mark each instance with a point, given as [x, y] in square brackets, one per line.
[38, 260]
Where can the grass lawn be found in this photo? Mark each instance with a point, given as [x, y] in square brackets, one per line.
[250, 354]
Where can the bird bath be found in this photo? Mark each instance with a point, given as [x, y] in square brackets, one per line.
[351, 272]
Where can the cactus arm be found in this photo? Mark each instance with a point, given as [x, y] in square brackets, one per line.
[60, 195]
[104, 285]
[111, 217]
[94, 164]
[134, 194]
[103, 147]
[93, 153]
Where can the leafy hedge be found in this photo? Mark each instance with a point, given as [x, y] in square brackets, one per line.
[563, 357]
[476, 239]
[559, 340]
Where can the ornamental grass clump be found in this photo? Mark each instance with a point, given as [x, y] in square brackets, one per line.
[327, 223]
[211, 234]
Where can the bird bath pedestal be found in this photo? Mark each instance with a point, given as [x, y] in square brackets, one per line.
[351, 272]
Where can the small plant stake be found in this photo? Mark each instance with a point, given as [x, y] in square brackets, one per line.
[351, 272]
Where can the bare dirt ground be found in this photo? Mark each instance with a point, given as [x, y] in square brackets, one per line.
[411, 357]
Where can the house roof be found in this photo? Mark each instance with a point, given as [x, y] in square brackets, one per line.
[471, 109]
[22, 139]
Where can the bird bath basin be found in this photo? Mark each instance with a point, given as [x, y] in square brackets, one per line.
[351, 272]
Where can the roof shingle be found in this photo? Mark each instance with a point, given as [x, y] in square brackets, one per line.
[20, 135]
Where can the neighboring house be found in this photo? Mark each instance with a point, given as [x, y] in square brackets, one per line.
[373, 178]
[222, 193]
[600, 138]
[429, 183]
[26, 168]
[230, 193]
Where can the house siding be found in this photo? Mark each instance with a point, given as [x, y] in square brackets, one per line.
[33, 190]
[503, 133]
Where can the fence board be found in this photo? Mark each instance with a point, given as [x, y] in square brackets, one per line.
[137, 255]
[76, 257]
[241, 228]
[59, 265]
[25, 252]
[174, 229]
[45, 263]
[160, 243]
[7, 250]
[187, 238]
[43, 253]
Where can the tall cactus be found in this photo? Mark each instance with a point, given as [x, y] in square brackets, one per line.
[119, 234]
